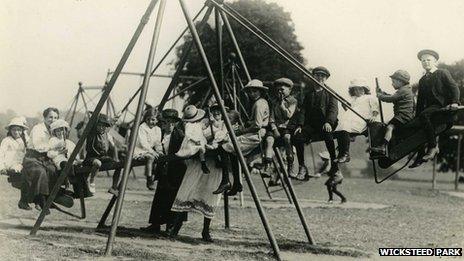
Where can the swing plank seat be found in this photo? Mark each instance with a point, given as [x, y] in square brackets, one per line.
[406, 140]
[85, 169]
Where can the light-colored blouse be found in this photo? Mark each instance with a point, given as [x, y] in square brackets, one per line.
[148, 140]
[40, 137]
[12, 153]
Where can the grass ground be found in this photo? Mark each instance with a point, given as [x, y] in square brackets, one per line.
[411, 215]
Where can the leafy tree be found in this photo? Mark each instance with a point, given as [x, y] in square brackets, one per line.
[262, 62]
[448, 144]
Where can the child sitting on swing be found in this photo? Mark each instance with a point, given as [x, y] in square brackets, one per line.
[282, 108]
[60, 145]
[403, 106]
[194, 141]
[149, 146]
[99, 145]
[13, 147]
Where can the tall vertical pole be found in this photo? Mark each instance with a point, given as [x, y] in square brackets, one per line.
[182, 61]
[234, 42]
[218, 23]
[458, 162]
[93, 118]
[233, 138]
[135, 128]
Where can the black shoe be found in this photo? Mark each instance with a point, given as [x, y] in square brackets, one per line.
[222, 188]
[235, 189]
[151, 229]
[416, 163]
[343, 200]
[204, 168]
[343, 158]
[150, 183]
[173, 231]
[205, 236]
[273, 183]
[24, 205]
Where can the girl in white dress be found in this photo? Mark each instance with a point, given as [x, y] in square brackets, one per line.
[194, 141]
[13, 147]
[366, 105]
[149, 146]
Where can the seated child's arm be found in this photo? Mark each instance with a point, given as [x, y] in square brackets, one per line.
[398, 95]
[290, 109]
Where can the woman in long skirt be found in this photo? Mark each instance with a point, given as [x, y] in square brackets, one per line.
[39, 172]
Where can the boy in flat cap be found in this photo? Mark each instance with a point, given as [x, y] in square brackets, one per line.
[437, 89]
[403, 105]
[317, 117]
[282, 108]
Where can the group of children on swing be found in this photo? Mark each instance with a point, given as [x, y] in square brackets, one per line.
[276, 118]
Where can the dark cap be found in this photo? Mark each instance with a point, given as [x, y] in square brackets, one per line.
[321, 70]
[102, 118]
[283, 81]
[170, 115]
[428, 51]
[401, 75]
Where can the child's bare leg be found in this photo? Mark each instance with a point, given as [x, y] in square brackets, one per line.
[389, 133]
[204, 167]
[96, 164]
[269, 146]
[148, 172]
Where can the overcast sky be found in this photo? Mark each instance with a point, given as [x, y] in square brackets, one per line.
[48, 46]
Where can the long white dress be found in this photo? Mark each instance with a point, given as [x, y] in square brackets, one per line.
[365, 105]
[196, 191]
[194, 140]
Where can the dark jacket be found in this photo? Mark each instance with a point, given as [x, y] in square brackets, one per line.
[329, 108]
[443, 87]
[403, 103]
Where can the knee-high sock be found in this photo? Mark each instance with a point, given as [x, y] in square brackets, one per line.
[300, 153]
[206, 224]
[330, 144]
[329, 189]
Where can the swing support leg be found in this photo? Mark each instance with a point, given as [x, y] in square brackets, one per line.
[294, 197]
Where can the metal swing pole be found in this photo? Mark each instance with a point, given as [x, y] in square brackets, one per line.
[110, 205]
[160, 62]
[79, 91]
[72, 105]
[282, 53]
[217, 19]
[135, 128]
[217, 94]
[93, 118]
[294, 197]
[182, 61]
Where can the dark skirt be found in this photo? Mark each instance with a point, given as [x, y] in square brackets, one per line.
[39, 175]
[170, 176]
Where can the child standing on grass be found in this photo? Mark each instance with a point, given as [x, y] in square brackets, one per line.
[99, 145]
[194, 141]
[335, 179]
[403, 106]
